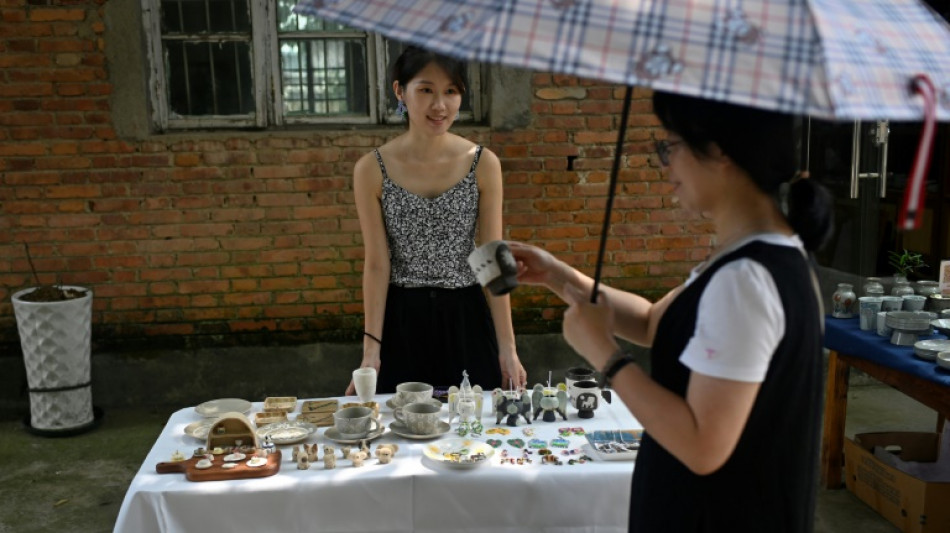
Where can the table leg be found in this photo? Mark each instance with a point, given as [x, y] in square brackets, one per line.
[836, 405]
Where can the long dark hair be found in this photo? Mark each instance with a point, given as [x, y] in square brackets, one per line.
[760, 142]
[413, 59]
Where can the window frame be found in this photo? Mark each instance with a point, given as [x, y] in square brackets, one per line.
[267, 82]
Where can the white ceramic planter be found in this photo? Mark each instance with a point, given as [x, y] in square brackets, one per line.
[56, 341]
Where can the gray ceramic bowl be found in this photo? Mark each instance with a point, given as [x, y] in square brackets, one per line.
[942, 325]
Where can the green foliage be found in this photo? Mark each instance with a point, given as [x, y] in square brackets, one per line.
[906, 263]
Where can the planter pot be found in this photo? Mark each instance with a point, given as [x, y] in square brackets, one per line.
[56, 341]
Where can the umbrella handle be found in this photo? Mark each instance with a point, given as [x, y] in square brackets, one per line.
[611, 190]
[912, 209]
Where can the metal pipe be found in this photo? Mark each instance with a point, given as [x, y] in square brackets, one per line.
[855, 157]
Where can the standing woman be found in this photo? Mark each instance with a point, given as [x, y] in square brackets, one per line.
[731, 407]
[421, 198]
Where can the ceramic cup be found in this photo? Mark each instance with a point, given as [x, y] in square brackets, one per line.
[585, 396]
[495, 267]
[421, 418]
[914, 302]
[411, 392]
[891, 303]
[882, 328]
[355, 422]
[364, 379]
[869, 307]
[577, 373]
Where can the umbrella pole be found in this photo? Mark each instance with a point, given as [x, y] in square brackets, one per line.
[611, 191]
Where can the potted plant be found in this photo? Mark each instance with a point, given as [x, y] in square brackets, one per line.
[55, 327]
[906, 263]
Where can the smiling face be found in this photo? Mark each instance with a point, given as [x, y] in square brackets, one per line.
[696, 178]
[432, 99]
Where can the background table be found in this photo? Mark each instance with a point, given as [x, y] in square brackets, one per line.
[413, 493]
[893, 365]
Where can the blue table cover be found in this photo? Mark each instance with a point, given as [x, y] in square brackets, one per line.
[845, 335]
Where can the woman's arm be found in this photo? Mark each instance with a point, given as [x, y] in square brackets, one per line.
[701, 430]
[367, 190]
[490, 229]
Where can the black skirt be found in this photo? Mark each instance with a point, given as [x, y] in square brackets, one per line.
[432, 335]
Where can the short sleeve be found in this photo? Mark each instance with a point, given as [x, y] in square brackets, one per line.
[739, 324]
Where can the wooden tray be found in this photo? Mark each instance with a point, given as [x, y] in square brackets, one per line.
[320, 406]
[216, 473]
[285, 404]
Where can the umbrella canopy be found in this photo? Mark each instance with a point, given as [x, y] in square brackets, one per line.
[832, 59]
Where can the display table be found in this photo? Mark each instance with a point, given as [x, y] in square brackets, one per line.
[412, 493]
[893, 365]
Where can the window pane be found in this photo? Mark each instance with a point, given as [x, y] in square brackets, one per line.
[192, 16]
[209, 78]
[324, 77]
[287, 21]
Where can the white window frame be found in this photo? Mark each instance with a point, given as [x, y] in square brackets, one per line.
[265, 68]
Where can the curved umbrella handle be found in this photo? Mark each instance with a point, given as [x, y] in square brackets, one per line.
[912, 209]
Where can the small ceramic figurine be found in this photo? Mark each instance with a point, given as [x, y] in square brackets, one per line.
[385, 455]
[550, 400]
[295, 453]
[329, 460]
[509, 405]
[303, 461]
[268, 444]
[311, 452]
[177, 456]
[358, 457]
[327, 450]
[345, 452]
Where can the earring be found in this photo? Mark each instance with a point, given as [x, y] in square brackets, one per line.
[402, 110]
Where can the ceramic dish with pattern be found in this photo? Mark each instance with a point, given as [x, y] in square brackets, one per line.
[287, 432]
[459, 453]
[615, 445]
[223, 405]
[199, 430]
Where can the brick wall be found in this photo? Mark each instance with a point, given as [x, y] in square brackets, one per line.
[222, 237]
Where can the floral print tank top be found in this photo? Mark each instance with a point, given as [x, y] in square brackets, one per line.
[430, 238]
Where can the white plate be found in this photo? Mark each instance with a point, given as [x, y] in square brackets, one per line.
[391, 405]
[287, 432]
[459, 453]
[943, 360]
[199, 430]
[223, 405]
[614, 445]
[334, 435]
[400, 429]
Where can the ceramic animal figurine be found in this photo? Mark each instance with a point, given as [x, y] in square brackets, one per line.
[303, 461]
[385, 455]
[329, 460]
[328, 450]
[311, 452]
[358, 457]
[550, 400]
[295, 453]
[392, 447]
[509, 405]
[345, 451]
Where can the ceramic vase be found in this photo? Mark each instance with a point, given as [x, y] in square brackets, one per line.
[56, 341]
[842, 301]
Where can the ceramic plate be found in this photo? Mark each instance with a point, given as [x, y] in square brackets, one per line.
[459, 453]
[334, 435]
[223, 405]
[400, 429]
[287, 432]
[614, 445]
[943, 360]
[391, 405]
[199, 430]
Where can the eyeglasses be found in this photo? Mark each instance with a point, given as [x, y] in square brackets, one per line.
[663, 149]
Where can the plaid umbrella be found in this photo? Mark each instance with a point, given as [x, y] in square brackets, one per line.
[832, 59]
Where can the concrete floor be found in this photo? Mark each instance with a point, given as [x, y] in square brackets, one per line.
[76, 484]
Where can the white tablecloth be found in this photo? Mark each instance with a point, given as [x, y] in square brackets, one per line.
[412, 493]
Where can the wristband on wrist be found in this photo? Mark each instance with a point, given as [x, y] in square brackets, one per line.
[618, 360]
[374, 337]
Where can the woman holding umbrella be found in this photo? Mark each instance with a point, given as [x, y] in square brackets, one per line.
[421, 197]
[731, 407]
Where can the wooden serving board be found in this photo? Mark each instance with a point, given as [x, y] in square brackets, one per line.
[216, 473]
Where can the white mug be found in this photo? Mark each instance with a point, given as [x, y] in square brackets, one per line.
[495, 267]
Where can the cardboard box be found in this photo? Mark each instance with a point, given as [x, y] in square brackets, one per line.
[911, 504]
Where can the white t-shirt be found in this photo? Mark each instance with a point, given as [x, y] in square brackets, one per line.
[740, 320]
